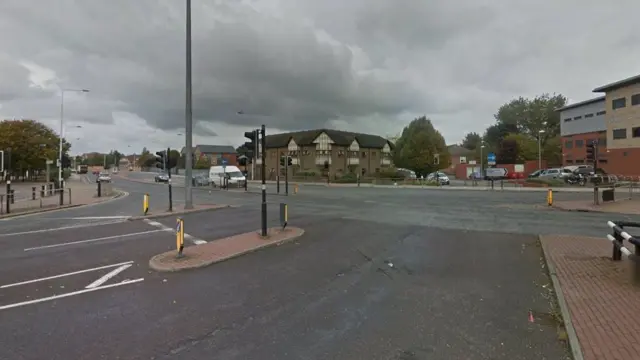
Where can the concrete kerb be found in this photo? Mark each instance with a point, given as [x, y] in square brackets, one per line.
[574, 343]
[174, 213]
[118, 194]
[157, 265]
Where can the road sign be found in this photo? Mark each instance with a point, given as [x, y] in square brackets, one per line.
[491, 158]
[224, 162]
[496, 172]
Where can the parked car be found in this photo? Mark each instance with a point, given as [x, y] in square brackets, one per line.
[200, 180]
[555, 173]
[103, 177]
[536, 174]
[441, 177]
[162, 178]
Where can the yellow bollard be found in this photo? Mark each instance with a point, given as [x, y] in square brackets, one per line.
[145, 204]
[295, 188]
[179, 236]
[550, 197]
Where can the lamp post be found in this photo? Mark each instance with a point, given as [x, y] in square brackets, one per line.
[540, 132]
[481, 160]
[188, 114]
[62, 91]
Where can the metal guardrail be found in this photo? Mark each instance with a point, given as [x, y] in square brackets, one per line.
[618, 237]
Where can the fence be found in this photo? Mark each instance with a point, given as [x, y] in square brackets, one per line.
[618, 237]
[15, 202]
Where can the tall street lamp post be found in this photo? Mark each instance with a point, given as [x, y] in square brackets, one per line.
[62, 130]
[188, 200]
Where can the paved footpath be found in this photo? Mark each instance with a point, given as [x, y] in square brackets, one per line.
[621, 206]
[602, 300]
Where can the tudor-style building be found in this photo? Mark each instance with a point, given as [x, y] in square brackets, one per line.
[327, 152]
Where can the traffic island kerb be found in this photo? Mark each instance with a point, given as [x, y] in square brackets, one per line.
[180, 211]
[199, 256]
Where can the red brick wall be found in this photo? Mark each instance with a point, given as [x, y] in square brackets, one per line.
[614, 161]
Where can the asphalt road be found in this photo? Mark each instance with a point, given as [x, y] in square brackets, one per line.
[380, 274]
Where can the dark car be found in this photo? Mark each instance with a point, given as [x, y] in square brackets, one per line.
[162, 178]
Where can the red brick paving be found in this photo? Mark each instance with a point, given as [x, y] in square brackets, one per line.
[601, 296]
[223, 249]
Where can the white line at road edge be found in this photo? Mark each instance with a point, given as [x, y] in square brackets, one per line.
[114, 221]
[124, 195]
[55, 297]
[92, 240]
[67, 274]
[108, 276]
[193, 239]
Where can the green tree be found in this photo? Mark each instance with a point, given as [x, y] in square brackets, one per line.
[28, 144]
[526, 147]
[471, 141]
[417, 146]
[202, 163]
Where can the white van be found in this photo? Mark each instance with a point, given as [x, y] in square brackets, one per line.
[218, 173]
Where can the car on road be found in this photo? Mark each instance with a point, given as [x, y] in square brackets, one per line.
[162, 178]
[441, 177]
[103, 177]
[536, 173]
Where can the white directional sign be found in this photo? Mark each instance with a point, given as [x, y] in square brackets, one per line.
[496, 172]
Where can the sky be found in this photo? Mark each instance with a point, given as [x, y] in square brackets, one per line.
[360, 65]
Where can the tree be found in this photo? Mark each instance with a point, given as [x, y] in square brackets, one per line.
[471, 141]
[30, 144]
[525, 147]
[145, 158]
[417, 146]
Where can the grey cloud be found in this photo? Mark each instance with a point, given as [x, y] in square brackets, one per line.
[385, 60]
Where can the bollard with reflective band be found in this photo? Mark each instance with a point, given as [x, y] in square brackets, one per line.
[550, 197]
[180, 237]
[295, 188]
[284, 215]
[145, 204]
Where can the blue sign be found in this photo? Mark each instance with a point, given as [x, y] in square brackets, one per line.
[224, 162]
[491, 157]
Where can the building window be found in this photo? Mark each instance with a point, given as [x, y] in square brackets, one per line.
[569, 161]
[588, 116]
[601, 113]
[635, 99]
[580, 161]
[373, 154]
[602, 161]
[567, 119]
[618, 103]
[635, 132]
[568, 144]
[619, 133]
[577, 117]
[579, 143]
[364, 154]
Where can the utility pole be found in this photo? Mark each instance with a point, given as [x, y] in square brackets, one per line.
[264, 182]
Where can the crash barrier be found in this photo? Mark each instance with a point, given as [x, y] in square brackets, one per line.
[13, 201]
[618, 237]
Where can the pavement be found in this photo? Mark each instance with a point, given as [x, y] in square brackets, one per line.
[600, 297]
[378, 274]
[629, 206]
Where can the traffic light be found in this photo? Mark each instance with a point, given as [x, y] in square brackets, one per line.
[66, 162]
[161, 159]
[172, 161]
[592, 150]
[251, 146]
[242, 161]
[289, 161]
[282, 161]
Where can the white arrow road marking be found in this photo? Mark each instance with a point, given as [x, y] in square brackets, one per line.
[67, 274]
[126, 282]
[108, 276]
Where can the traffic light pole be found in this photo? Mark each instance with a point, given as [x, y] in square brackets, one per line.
[264, 181]
[286, 176]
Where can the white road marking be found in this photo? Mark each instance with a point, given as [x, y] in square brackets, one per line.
[55, 297]
[67, 274]
[64, 228]
[94, 218]
[108, 276]
[92, 240]
[163, 227]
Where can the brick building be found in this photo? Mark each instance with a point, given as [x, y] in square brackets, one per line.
[613, 120]
[325, 152]
[214, 154]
